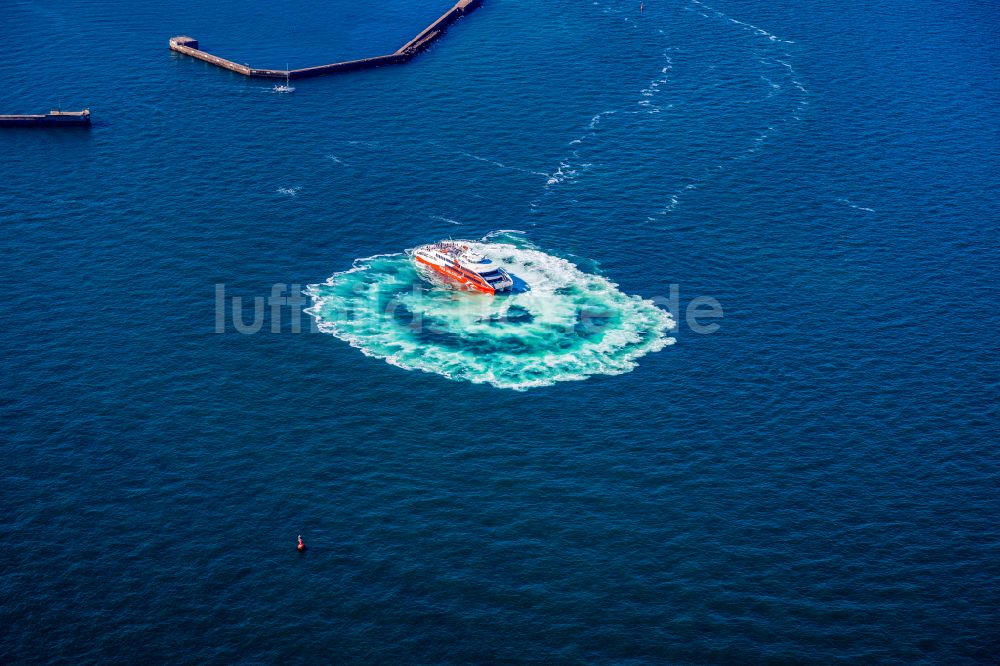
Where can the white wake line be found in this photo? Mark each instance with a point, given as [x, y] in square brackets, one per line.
[568, 169]
[479, 158]
[848, 202]
[743, 24]
[757, 144]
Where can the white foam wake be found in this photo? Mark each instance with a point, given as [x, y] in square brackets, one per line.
[569, 325]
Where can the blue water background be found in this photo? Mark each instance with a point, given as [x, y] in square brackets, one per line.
[817, 481]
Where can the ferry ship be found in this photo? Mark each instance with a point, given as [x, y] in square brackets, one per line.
[457, 262]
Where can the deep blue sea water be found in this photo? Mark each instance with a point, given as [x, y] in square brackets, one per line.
[814, 482]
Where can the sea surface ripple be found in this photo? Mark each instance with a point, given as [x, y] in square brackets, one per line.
[814, 481]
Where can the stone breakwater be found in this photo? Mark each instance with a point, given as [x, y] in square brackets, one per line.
[189, 46]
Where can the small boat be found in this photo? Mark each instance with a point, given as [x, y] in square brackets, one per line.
[285, 87]
[457, 262]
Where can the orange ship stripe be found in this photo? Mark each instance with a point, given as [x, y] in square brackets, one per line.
[459, 276]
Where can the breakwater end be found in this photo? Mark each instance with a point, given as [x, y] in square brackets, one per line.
[54, 118]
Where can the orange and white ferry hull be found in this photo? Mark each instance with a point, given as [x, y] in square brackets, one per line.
[457, 275]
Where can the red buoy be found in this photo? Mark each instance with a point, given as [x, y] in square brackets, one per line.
[302, 544]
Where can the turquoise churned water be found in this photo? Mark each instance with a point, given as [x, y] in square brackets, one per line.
[571, 474]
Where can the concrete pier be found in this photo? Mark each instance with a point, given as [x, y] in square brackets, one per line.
[54, 118]
[189, 46]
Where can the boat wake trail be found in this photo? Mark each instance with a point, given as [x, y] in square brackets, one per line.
[754, 87]
[564, 325]
[769, 61]
[709, 12]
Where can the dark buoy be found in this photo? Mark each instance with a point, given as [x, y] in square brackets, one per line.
[302, 544]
